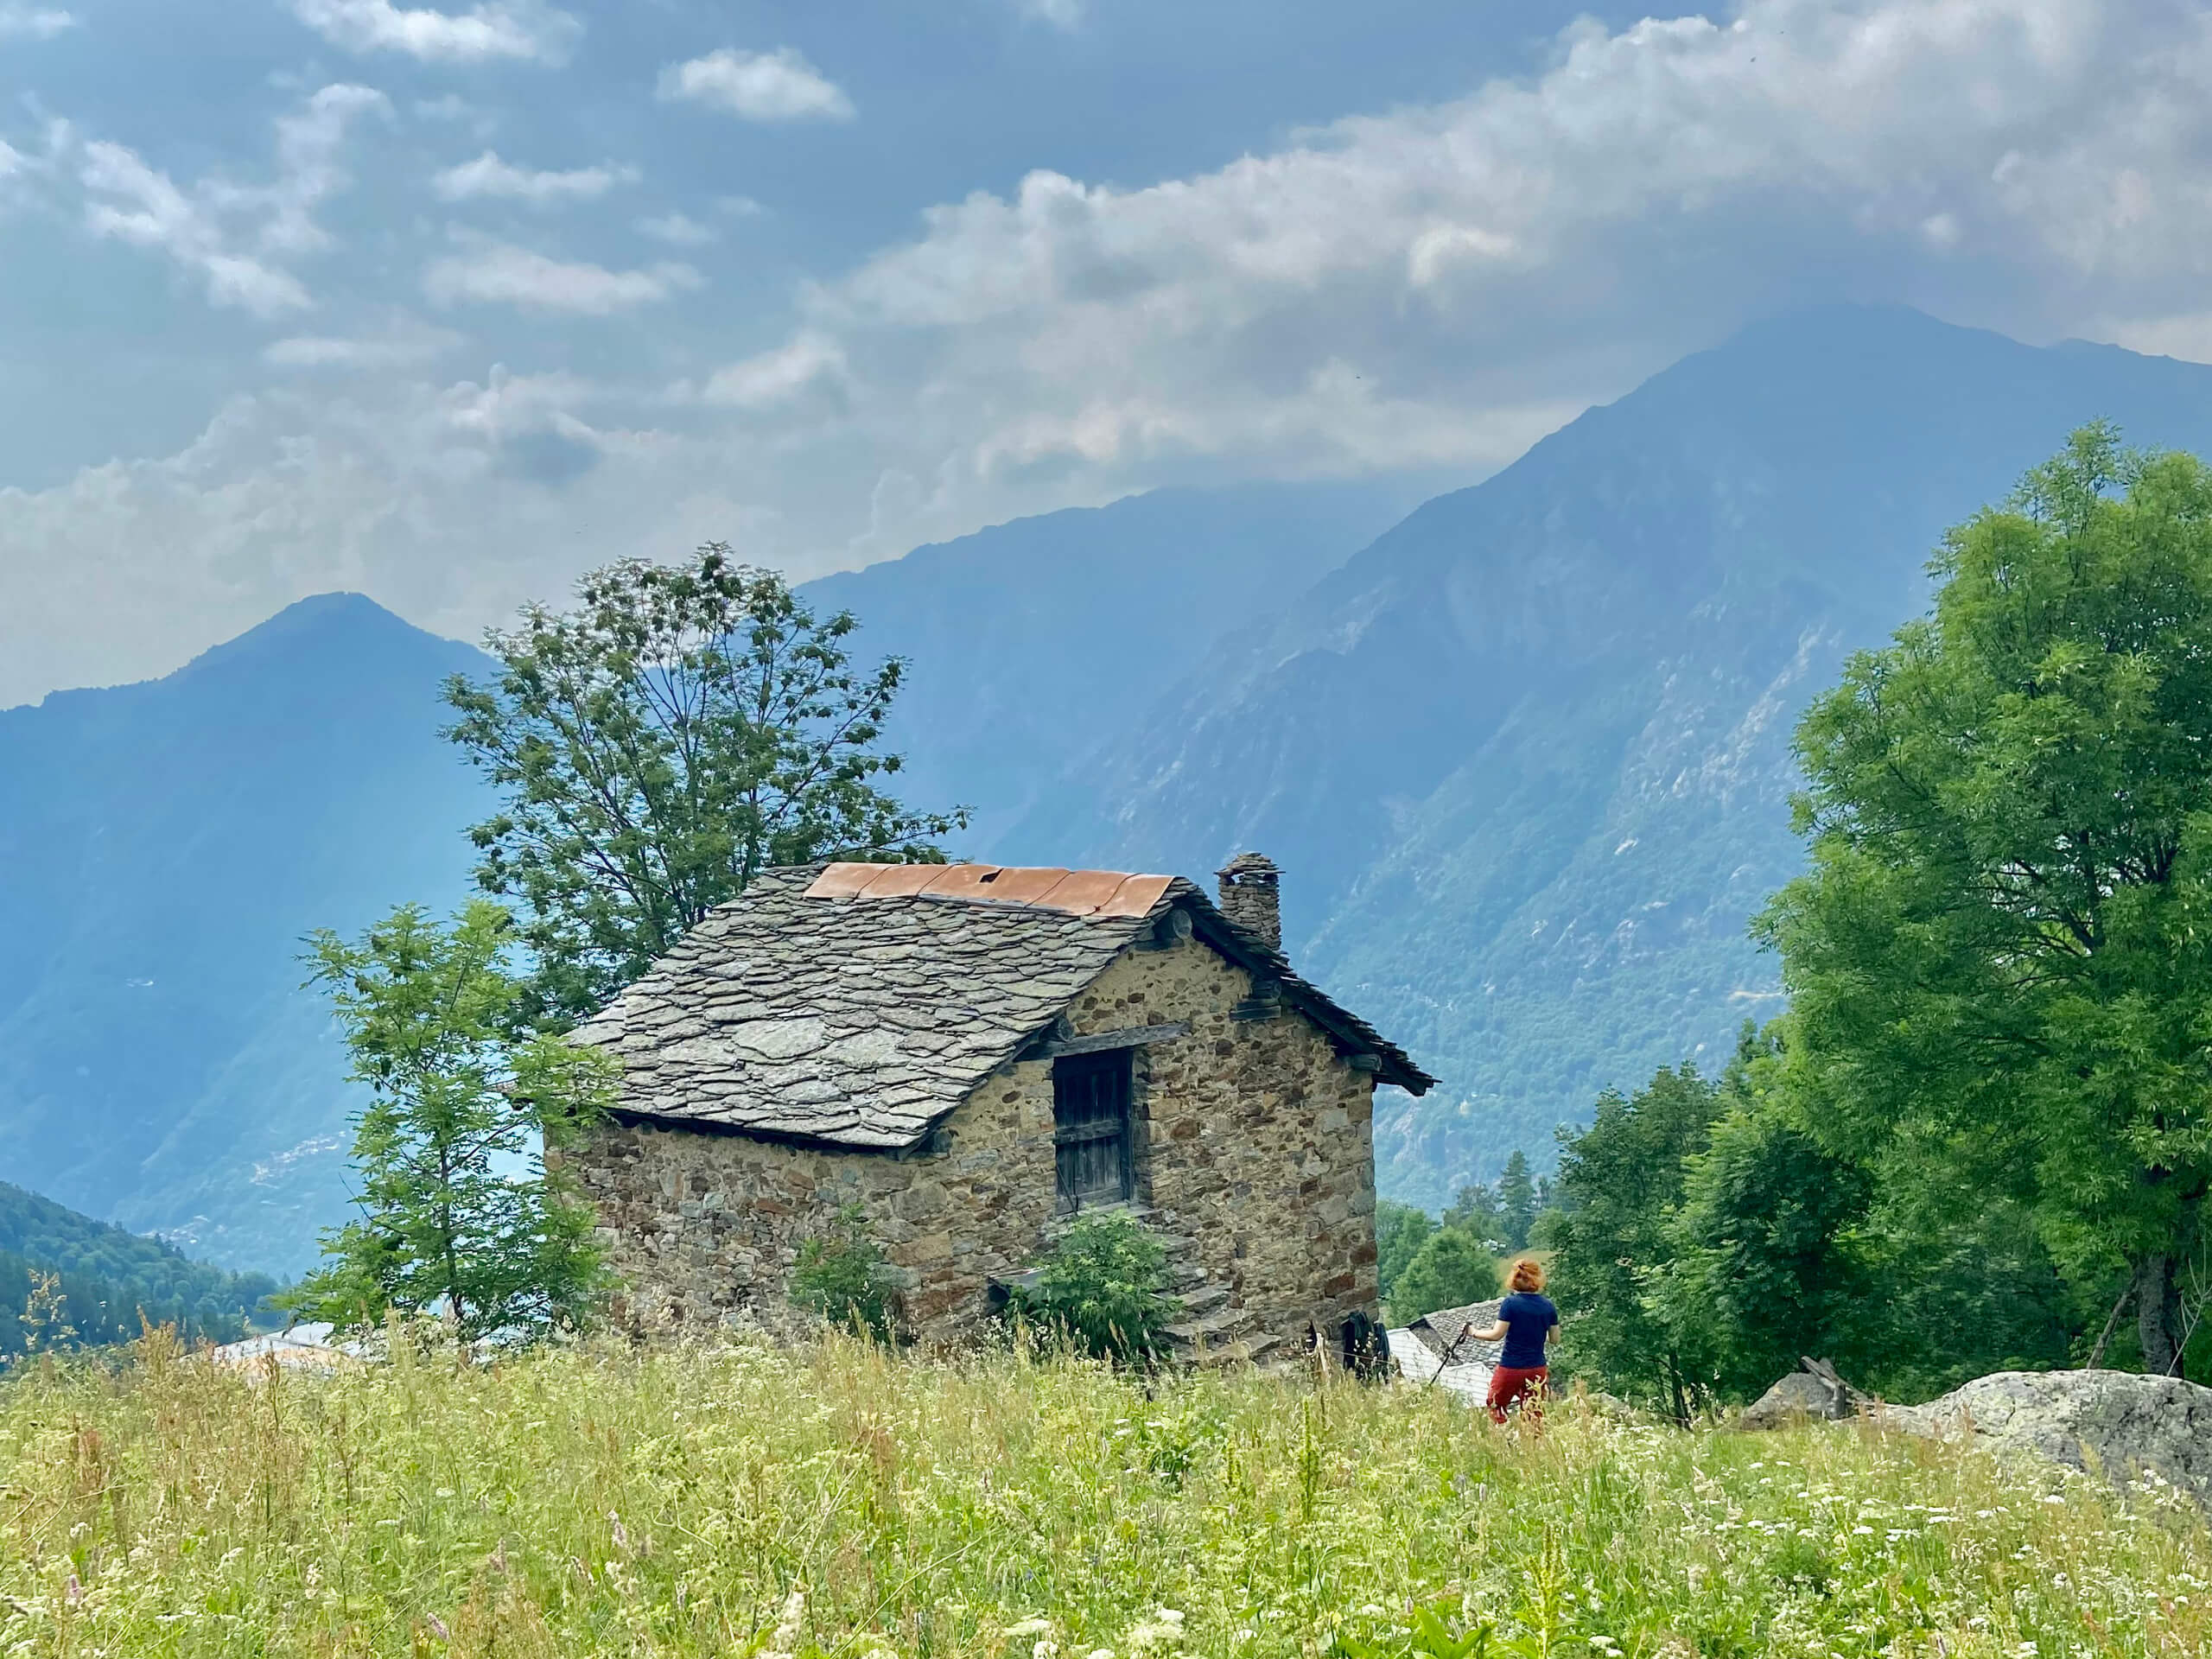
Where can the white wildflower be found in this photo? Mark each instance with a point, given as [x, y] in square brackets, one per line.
[784, 1641]
[1030, 1627]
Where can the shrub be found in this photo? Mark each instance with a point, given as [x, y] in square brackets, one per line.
[836, 1277]
[1103, 1290]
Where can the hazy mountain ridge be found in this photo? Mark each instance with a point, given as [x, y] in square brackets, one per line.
[1526, 758]
[168, 845]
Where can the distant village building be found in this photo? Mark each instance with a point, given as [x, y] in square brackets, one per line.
[965, 1055]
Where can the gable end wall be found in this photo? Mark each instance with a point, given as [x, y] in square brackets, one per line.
[1254, 1157]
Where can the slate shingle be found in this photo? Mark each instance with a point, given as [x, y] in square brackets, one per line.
[860, 1021]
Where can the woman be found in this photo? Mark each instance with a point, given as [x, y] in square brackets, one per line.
[1526, 1320]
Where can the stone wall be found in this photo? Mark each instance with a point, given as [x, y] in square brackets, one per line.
[1254, 1156]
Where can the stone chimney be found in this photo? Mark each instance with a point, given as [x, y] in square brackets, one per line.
[1250, 897]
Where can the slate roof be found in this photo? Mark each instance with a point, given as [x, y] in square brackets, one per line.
[857, 1004]
[1440, 1333]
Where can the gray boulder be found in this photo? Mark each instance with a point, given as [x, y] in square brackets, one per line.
[2113, 1422]
[1815, 1394]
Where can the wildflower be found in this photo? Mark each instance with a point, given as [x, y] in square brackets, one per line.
[621, 1532]
[785, 1640]
[437, 1627]
[1031, 1627]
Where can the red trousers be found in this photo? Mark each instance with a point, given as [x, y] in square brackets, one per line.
[1509, 1384]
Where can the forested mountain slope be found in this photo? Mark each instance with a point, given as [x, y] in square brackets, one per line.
[1525, 759]
[110, 1280]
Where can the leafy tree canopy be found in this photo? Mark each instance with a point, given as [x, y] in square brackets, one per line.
[1451, 1269]
[1620, 1182]
[682, 729]
[1999, 956]
[460, 1214]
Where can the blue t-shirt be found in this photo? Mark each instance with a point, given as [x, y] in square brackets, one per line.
[1527, 1317]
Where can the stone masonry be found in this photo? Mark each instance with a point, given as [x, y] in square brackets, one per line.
[1252, 1151]
[1253, 1157]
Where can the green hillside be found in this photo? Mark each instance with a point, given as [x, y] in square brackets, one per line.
[110, 1278]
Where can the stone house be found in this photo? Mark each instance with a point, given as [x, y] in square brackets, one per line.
[962, 1055]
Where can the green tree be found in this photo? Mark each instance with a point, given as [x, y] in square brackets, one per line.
[1399, 1230]
[1451, 1269]
[460, 1211]
[1516, 1201]
[1768, 1264]
[1475, 1212]
[1997, 956]
[683, 728]
[1620, 1182]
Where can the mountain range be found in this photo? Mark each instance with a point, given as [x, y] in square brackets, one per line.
[1523, 753]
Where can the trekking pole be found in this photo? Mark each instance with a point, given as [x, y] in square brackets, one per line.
[1465, 1330]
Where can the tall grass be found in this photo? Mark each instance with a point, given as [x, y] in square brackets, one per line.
[846, 1501]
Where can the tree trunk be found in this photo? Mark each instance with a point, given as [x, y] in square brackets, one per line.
[2158, 1310]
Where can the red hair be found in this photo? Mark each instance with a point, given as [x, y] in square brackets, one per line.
[1527, 1274]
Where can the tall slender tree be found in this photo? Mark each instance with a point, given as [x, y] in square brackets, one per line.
[681, 728]
[460, 1215]
[2002, 953]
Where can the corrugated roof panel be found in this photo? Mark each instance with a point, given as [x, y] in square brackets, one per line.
[1022, 886]
[1135, 896]
[845, 881]
[901, 881]
[1081, 892]
[964, 882]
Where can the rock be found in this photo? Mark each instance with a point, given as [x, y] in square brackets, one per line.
[2111, 1422]
[1815, 1394]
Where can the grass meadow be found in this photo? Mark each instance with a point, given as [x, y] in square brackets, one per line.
[843, 1501]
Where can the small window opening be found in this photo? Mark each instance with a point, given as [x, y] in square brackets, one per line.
[1092, 1095]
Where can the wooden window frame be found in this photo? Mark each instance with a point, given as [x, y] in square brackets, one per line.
[1077, 1122]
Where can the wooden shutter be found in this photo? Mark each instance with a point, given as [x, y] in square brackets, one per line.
[1090, 1127]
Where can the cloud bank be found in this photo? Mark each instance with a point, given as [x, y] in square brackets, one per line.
[1434, 287]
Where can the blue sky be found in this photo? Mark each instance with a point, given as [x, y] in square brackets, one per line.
[446, 304]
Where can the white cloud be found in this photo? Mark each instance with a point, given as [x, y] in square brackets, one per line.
[524, 29]
[235, 237]
[779, 86]
[778, 376]
[1433, 287]
[488, 175]
[498, 273]
[33, 22]
[677, 230]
